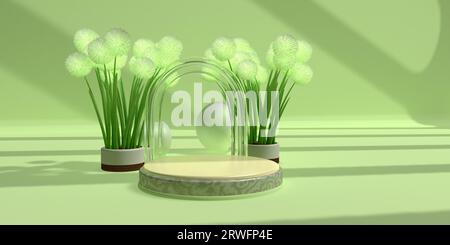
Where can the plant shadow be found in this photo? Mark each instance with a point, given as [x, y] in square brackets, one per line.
[49, 172]
[365, 170]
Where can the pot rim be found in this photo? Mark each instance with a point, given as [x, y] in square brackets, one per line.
[122, 150]
[275, 144]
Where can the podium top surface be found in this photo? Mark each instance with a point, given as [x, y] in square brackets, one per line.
[212, 167]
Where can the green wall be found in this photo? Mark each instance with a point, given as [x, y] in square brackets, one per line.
[374, 60]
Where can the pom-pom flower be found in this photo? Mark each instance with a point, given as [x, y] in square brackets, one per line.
[238, 58]
[304, 52]
[301, 74]
[262, 75]
[285, 59]
[223, 48]
[254, 56]
[269, 57]
[143, 48]
[78, 65]
[118, 41]
[168, 50]
[285, 45]
[283, 62]
[142, 67]
[170, 46]
[285, 49]
[82, 39]
[209, 54]
[242, 45]
[247, 70]
[99, 52]
[109, 54]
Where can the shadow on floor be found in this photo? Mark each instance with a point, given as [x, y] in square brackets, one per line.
[367, 170]
[332, 148]
[49, 138]
[195, 137]
[49, 172]
[424, 218]
[365, 148]
[49, 153]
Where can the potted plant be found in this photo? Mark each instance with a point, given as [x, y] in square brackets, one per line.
[120, 106]
[286, 66]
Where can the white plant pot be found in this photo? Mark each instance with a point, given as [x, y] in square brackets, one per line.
[270, 152]
[122, 160]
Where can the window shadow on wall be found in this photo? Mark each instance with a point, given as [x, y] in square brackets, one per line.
[424, 95]
[35, 51]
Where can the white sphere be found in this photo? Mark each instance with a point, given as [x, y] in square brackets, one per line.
[162, 130]
[216, 139]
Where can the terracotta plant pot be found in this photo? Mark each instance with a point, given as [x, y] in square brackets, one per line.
[122, 160]
[270, 152]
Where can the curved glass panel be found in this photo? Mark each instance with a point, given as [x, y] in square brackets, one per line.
[186, 117]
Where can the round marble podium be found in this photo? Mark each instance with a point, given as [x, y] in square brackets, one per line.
[209, 176]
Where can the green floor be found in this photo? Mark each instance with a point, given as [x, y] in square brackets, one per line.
[392, 175]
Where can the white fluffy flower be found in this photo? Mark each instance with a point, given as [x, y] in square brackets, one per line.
[142, 67]
[223, 48]
[118, 41]
[168, 50]
[284, 62]
[304, 52]
[262, 75]
[242, 45]
[99, 52]
[301, 74]
[254, 56]
[269, 57]
[285, 45]
[209, 54]
[143, 48]
[247, 70]
[238, 58]
[78, 65]
[82, 39]
[170, 46]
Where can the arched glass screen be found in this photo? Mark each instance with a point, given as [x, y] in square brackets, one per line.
[196, 108]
